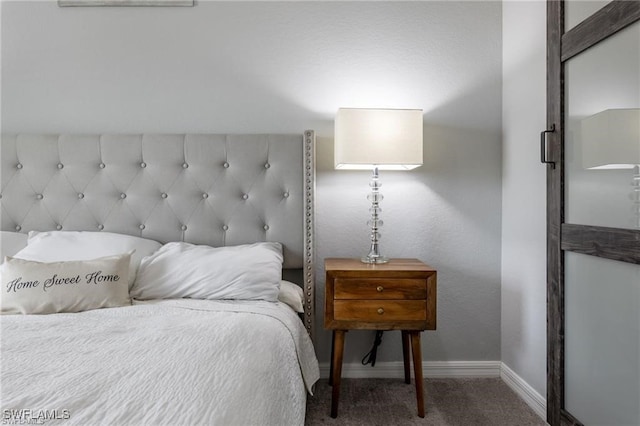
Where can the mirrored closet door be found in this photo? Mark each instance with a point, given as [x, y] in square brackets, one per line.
[593, 149]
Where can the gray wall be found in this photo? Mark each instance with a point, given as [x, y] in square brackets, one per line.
[524, 288]
[286, 67]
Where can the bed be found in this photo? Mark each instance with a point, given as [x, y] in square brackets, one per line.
[209, 335]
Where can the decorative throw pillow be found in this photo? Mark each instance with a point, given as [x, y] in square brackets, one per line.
[30, 287]
[178, 270]
[292, 295]
[58, 246]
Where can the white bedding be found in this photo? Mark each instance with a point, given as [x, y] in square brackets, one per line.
[161, 362]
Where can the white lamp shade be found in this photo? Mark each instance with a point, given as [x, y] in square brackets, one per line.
[389, 139]
[611, 139]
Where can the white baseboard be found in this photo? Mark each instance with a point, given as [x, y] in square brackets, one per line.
[442, 369]
[430, 369]
[533, 399]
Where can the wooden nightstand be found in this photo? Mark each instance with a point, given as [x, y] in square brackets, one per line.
[399, 295]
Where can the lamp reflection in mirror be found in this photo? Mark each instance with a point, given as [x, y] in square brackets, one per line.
[611, 140]
[377, 139]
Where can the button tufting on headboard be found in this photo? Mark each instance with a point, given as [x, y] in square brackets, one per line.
[201, 188]
[169, 186]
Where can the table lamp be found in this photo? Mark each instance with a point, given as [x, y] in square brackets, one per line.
[377, 139]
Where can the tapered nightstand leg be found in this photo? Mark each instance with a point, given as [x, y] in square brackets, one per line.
[333, 351]
[406, 354]
[338, 343]
[417, 367]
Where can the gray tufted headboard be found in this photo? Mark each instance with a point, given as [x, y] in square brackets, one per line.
[200, 188]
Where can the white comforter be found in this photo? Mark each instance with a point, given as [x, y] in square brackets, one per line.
[163, 362]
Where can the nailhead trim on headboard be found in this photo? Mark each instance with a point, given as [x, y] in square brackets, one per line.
[309, 231]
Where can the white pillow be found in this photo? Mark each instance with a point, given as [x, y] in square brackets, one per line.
[292, 295]
[177, 270]
[11, 243]
[30, 287]
[58, 246]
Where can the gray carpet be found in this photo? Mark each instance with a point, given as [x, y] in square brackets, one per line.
[450, 402]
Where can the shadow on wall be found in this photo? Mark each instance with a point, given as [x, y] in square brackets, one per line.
[446, 213]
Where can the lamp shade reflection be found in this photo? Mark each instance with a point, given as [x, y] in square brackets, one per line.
[611, 139]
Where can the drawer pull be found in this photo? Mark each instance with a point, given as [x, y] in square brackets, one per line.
[379, 288]
[380, 311]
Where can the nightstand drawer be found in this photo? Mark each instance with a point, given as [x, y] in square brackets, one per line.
[380, 311]
[380, 288]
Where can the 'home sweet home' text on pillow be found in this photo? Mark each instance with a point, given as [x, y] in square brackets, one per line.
[30, 287]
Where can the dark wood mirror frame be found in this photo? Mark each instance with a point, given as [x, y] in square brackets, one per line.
[611, 243]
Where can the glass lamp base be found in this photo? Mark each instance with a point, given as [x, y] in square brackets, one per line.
[374, 259]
